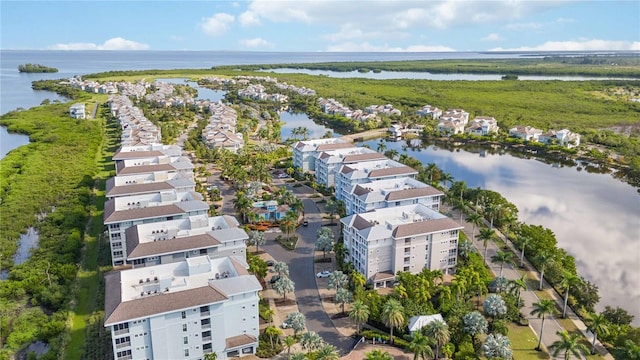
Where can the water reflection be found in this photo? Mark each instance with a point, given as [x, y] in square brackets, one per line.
[594, 216]
[294, 120]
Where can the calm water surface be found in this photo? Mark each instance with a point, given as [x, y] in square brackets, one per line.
[595, 217]
[293, 120]
[10, 141]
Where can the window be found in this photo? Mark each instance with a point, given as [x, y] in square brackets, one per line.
[185, 340]
[124, 354]
[186, 352]
[117, 254]
[184, 327]
[184, 314]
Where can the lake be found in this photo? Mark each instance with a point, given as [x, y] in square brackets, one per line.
[595, 217]
[294, 120]
[10, 141]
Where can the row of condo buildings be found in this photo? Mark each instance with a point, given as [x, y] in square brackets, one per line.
[220, 132]
[259, 92]
[456, 121]
[182, 289]
[333, 107]
[393, 221]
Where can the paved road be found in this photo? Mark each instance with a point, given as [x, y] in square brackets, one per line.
[301, 270]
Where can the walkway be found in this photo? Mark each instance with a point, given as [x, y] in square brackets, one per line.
[551, 325]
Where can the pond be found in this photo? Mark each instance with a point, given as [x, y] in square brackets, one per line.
[386, 75]
[10, 141]
[595, 217]
[293, 120]
[203, 93]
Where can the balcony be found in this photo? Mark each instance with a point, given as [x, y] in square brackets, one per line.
[122, 331]
[126, 357]
[206, 326]
[124, 344]
[206, 338]
[205, 313]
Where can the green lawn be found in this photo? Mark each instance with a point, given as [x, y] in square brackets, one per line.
[523, 343]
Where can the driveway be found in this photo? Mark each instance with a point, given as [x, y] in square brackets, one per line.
[301, 270]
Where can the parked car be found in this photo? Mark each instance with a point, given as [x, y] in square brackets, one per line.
[270, 262]
[283, 176]
[285, 325]
[274, 279]
[305, 223]
[323, 274]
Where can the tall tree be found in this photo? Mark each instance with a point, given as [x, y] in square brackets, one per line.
[541, 309]
[297, 322]
[343, 296]
[377, 354]
[516, 286]
[283, 286]
[359, 314]
[420, 346]
[486, 235]
[569, 280]
[474, 324]
[497, 346]
[337, 280]
[311, 341]
[597, 324]
[476, 220]
[523, 243]
[281, 268]
[502, 257]
[439, 331]
[543, 259]
[327, 352]
[382, 146]
[256, 238]
[392, 315]
[333, 207]
[273, 333]
[324, 244]
[570, 344]
[289, 341]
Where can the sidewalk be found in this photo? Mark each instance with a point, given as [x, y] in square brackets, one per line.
[551, 325]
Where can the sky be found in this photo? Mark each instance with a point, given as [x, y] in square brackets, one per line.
[323, 25]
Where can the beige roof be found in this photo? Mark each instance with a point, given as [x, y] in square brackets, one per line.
[363, 157]
[124, 155]
[239, 340]
[424, 227]
[401, 170]
[117, 311]
[113, 190]
[361, 223]
[383, 275]
[112, 216]
[412, 193]
[136, 250]
[359, 190]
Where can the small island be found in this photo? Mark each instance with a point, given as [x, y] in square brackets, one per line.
[36, 68]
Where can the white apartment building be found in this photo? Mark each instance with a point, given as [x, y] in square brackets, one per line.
[120, 213]
[482, 125]
[77, 111]
[528, 133]
[183, 310]
[329, 162]
[365, 172]
[158, 164]
[404, 238]
[389, 193]
[146, 152]
[138, 186]
[305, 152]
[177, 240]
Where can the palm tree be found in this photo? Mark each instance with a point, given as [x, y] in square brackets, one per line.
[502, 257]
[476, 220]
[257, 238]
[446, 178]
[474, 324]
[272, 332]
[359, 314]
[242, 205]
[628, 351]
[543, 259]
[392, 315]
[439, 331]
[288, 225]
[485, 235]
[298, 356]
[568, 281]
[523, 242]
[541, 309]
[289, 341]
[310, 341]
[391, 154]
[570, 344]
[497, 346]
[420, 346]
[597, 323]
[378, 354]
[516, 286]
[333, 208]
[382, 146]
[343, 296]
[327, 352]
[269, 314]
[283, 286]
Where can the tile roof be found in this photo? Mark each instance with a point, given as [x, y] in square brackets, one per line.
[361, 223]
[136, 250]
[383, 275]
[124, 155]
[142, 169]
[113, 216]
[358, 190]
[412, 193]
[113, 190]
[392, 171]
[363, 157]
[424, 227]
[325, 147]
[239, 340]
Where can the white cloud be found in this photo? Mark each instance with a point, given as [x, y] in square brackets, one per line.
[217, 24]
[249, 18]
[492, 37]
[366, 46]
[581, 45]
[116, 43]
[255, 43]
[350, 31]
[176, 38]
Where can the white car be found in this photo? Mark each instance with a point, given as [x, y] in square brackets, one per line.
[285, 325]
[323, 274]
[283, 176]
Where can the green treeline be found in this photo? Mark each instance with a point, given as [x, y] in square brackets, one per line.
[52, 175]
[36, 68]
[59, 88]
[622, 66]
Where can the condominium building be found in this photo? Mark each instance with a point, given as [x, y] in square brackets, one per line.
[171, 241]
[183, 310]
[389, 193]
[305, 152]
[404, 238]
[132, 185]
[120, 213]
[146, 151]
[155, 164]
[364, 172]
[329, 162]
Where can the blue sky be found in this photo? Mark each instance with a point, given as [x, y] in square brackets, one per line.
[329, 25]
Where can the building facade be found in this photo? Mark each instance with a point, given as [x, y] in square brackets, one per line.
[364, 172]
[305, 152]
[389, 193]
[328, 163]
